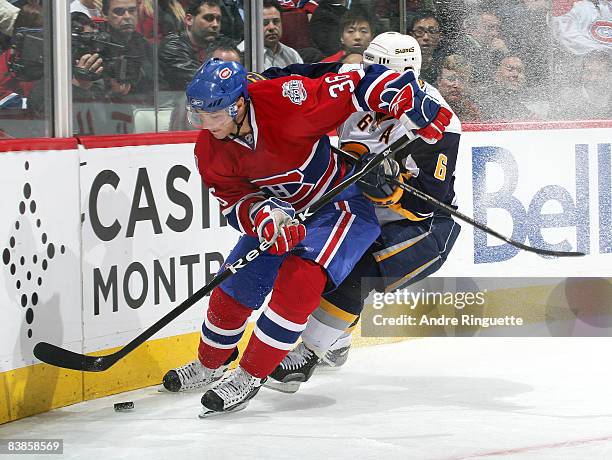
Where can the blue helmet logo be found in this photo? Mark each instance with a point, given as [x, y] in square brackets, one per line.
[217, 85]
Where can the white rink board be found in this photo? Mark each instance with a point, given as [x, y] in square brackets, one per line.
[547, 189]
[563, 173]
[40, 215]
[144, 215]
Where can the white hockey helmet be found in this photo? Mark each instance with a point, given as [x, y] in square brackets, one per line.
[396, 51]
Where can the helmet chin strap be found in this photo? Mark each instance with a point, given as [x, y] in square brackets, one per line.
[239, 124]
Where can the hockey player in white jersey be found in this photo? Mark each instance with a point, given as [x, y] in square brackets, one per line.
[415, 239]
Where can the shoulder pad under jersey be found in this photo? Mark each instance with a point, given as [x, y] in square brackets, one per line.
[252, 77]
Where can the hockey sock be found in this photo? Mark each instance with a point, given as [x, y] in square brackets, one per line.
[222, 329]
[343, 341]
[296, 294]
[325, 326]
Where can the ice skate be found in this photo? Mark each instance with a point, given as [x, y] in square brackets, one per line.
[296, 368]
[231, 395]
[195, 376]
[334, 359]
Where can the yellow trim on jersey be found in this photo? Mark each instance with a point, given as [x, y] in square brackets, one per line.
[253, 77]
[384, 254]
[412, 274]
[408, 214]
[391, 199]
[356, 149]
[388, 200]
[380, 117]
[336, 312]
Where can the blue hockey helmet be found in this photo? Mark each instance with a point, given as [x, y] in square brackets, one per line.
[217, 85]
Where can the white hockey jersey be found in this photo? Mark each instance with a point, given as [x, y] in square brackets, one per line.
[364, 132]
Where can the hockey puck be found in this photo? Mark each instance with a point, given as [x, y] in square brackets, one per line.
[123, 406]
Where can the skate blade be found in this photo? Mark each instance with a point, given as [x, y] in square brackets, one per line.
[203, 389]
[283, 387]
[324, 367]
[327, 365]
[207, 413]
[163, 389]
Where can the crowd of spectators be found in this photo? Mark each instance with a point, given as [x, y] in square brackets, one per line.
[493, 60]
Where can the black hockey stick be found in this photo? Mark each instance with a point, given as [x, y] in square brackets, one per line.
[443, 206]
[57, 356]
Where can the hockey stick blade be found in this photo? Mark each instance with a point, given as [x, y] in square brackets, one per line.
[60, 357]
[57, 356]
[443, 206]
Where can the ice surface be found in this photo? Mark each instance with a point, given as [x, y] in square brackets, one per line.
[422, 399]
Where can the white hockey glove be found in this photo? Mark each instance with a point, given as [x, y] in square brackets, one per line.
[274, 223]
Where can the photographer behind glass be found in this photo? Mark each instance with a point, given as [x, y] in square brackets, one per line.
[87, 69]
[131, 68]
[17, 76]
[103, 71]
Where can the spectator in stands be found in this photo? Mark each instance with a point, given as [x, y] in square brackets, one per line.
[296, 16]
[425, 28]
[225, 49]
[170, 17]
[325, 27]
[505, 99]
[357, 32]
[87, 7]
[15, 87]
[180, 55]
[88, 67]
[130, 73]
[481, 44]
[388, 11]
[232, 19]
[594, 92]
[306, 6]
[454, 83]
[8, 14]
[276, 53]
[87, 85]
[525, 27]
[451, 15]
[585, 28]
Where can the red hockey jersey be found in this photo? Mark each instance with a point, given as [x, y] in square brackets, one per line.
[291, 158]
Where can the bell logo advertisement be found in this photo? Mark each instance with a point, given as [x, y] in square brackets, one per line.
[547, 189]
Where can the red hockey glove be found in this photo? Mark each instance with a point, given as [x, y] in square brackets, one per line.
[274, 223]
[435, 130]
[415, 109]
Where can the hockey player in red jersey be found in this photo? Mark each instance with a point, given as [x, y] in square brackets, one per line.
[415, 238]
[264, 154]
